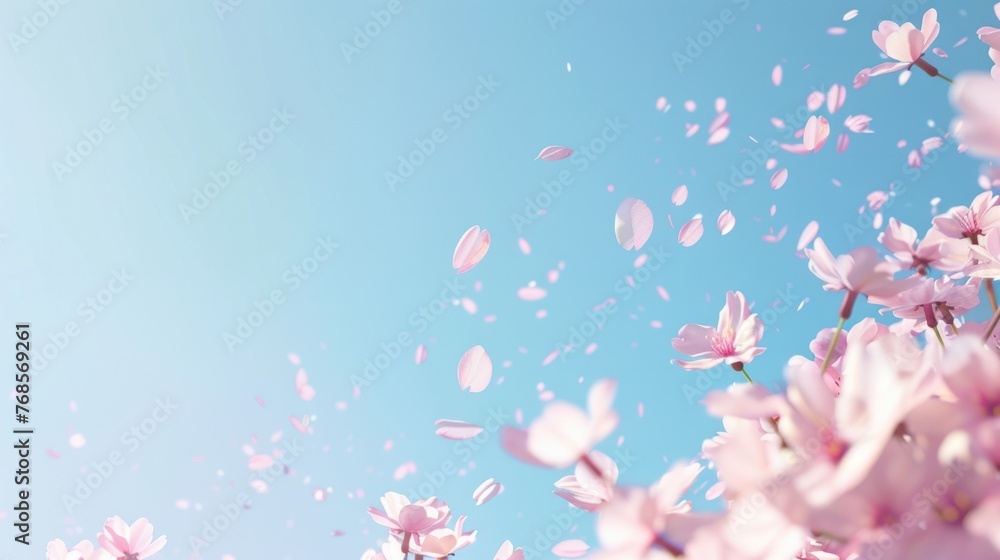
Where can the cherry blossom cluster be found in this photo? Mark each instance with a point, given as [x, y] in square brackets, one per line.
[119, 541]
[882, 442]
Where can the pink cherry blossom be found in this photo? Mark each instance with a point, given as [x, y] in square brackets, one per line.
[564, 433]
[977, 98]
[929, 301]
[733, 341]
[979, 219]
[934, 251]
[443, 542]
[991, 36]
[129, 542]
[508, 552]
[906, 43]
[420, 517]
[586, 489]
[84, 550]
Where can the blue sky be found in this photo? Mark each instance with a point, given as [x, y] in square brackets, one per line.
[298, 133]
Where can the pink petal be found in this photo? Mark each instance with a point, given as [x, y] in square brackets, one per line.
[718, 137]
[302, 387]
[456, 429]
[471, 249]
[680, 195]
[531, 293]
[779, 178]
[843, 141]
[808, 234]
[776, 75]
[720, 121]
[691, 232]
[554, 153]
[487, 491]
[260, 462]
[475, 370]
[815, 100]
[420, 356]
[522, 243]
[299, 425]
[726, 222]
[850, 15]
[835, 98]
[573, 548]
[816, 132]
[633, 224]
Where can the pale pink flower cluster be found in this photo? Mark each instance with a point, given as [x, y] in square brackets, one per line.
[883, 443]
[118, 541]
[419, 528]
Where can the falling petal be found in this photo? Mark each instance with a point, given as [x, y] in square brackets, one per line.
[260, 462]
[554, 153]
[522, 243]
[531, 293]
[633, 224]
[808, 234]
[843, 141]
[815, 100]
[691, 232]
[573, 548]
[816, 132]
[718, 137]
[779, 178]
[835, 98]
[421, 354]
[850, 15]
[471, 249]
[680, 195]
[456, 429]
[475, 370]
[776, 75]
[726, 222]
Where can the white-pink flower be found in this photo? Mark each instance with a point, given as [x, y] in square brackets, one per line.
[125, 542]
[733, 341]
[564, 433]
[587, 489]
[84, 550]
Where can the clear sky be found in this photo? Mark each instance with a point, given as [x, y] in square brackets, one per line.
[169, 169]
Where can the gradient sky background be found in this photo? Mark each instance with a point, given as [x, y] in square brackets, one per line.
[323, 176]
